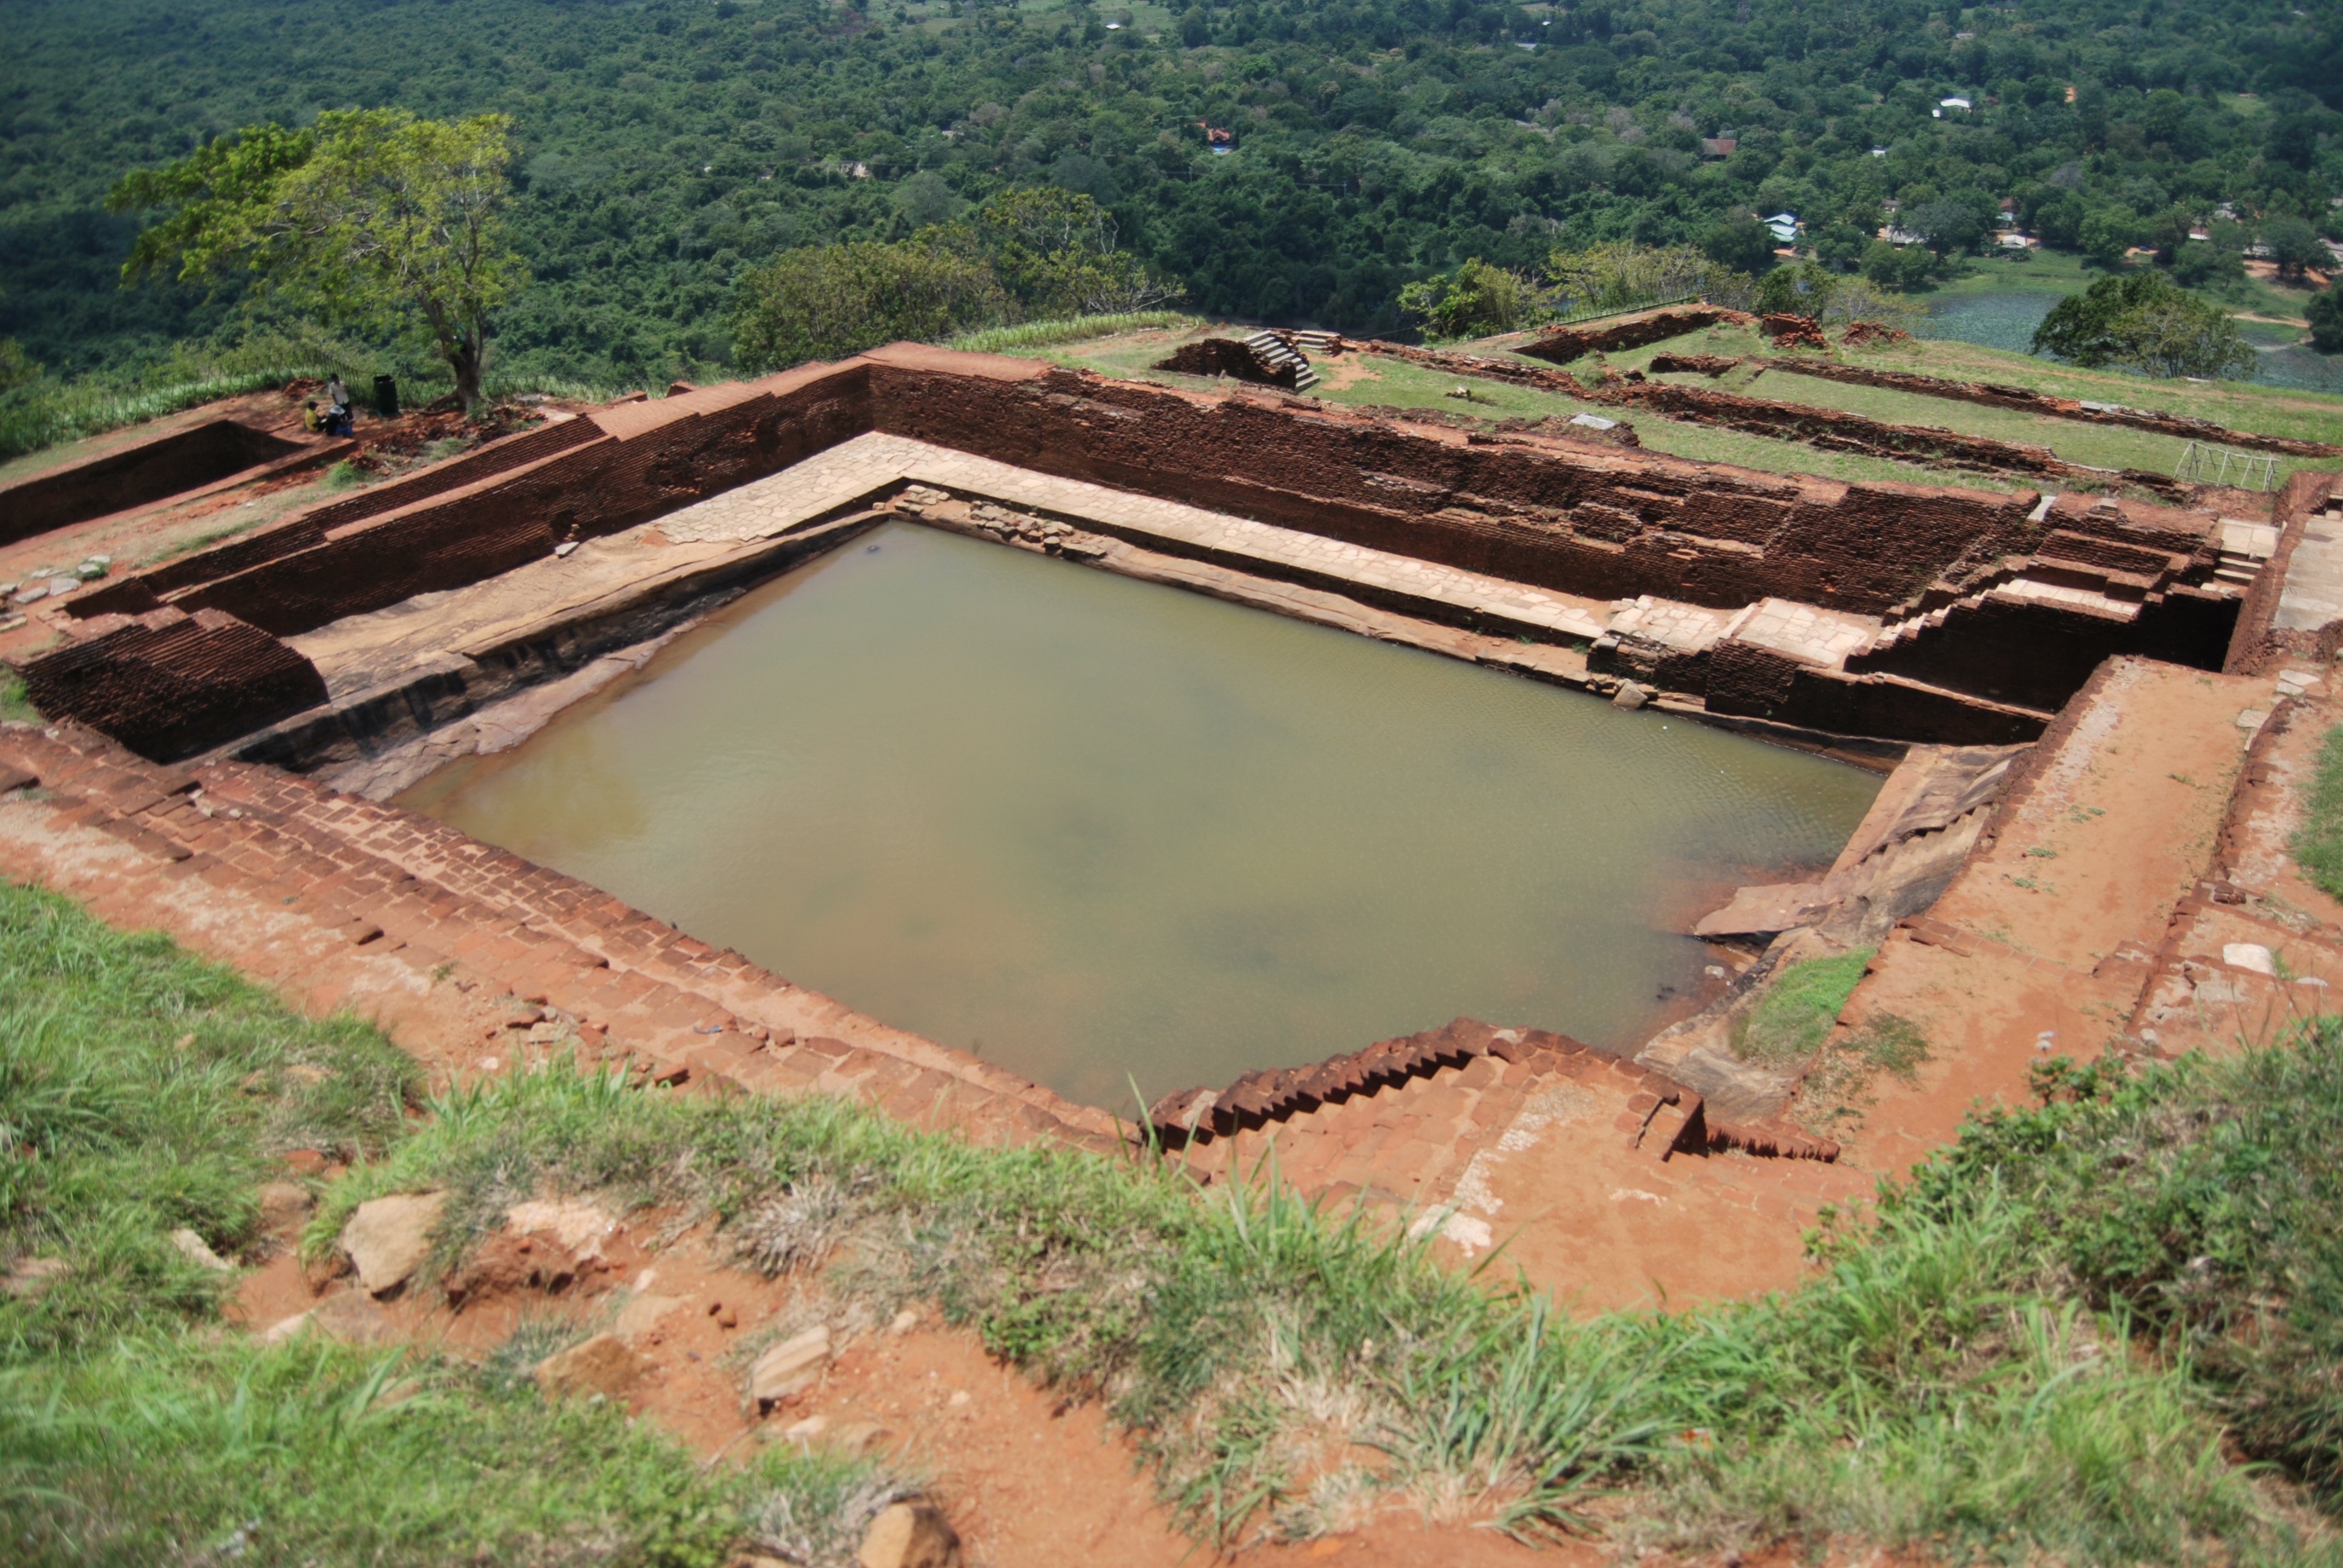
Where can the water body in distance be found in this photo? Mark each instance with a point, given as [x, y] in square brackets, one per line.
[1099, 831]
[2007, 321]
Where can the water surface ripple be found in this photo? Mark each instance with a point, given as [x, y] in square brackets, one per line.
[1099, 831]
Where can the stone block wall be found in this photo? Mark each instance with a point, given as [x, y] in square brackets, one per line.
[2035, 654]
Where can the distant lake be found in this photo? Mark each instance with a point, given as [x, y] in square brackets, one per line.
[2007, 320]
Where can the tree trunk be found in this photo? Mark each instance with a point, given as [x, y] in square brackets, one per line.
[467, 359]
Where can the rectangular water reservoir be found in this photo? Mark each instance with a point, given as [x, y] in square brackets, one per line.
[1103, 832]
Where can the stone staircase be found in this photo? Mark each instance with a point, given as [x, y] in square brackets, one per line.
[2245, 549]
[1276, 355]
[1903, 631]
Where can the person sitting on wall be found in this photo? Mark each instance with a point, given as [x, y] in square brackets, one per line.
[311, 420]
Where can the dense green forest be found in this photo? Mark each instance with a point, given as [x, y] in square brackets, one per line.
[666, 145]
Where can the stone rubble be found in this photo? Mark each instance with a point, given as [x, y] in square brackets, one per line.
[387, 1239]
[791, 1368]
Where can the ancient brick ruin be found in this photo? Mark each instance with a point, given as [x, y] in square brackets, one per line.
[1958, 615]
[2006, 632]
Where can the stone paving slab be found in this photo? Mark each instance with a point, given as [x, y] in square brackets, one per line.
[2314, 576]
[1806, 633]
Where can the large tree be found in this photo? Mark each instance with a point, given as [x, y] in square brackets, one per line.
[2324, 313]
[1024, 255]
[828, 301]
[373, 217]
[2143, 321]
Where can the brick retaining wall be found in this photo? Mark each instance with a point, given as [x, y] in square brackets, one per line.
[1595, 522]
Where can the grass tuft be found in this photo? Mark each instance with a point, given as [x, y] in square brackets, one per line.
[1046, 333]
[1787, 1026]
[2317, 844]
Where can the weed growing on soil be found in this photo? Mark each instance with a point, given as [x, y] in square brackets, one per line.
[1836, 1091]
[811, 1507]
[15, 706]
[140, 1092]
[1787, 1026]
[2317, 844]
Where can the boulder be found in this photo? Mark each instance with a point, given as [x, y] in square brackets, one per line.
[642, 1314]
[28, 1277]
[789, 1368]
[389, 1237]
[353, 1317]
[196, 1251]
[1630, 696]
[283, 1205]
[910, 1535]
[601, 1366]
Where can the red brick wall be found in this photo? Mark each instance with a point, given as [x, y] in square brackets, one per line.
[168, 685]
[591, 490]
[145, 473]
[1658, 526]
[146, 590]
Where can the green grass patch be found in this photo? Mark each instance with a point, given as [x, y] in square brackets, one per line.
[15, 706]
[2317, 845]
[142, 1091]
[2202, 1203]
[1787, 1026]
[1075, 329]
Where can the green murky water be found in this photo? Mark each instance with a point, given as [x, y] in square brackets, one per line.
[1099, 831]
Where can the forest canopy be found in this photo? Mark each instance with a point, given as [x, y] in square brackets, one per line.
[1292, 160]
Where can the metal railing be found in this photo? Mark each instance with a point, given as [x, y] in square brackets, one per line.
[2203, 463]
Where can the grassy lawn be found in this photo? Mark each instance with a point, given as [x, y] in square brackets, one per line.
[2267, 410]
[1361, 380]
[2029, 1354]
[145, 1093]
[2317, 844]
[2041, 271]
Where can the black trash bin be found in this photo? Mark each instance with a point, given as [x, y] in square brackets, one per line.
[386, 397]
